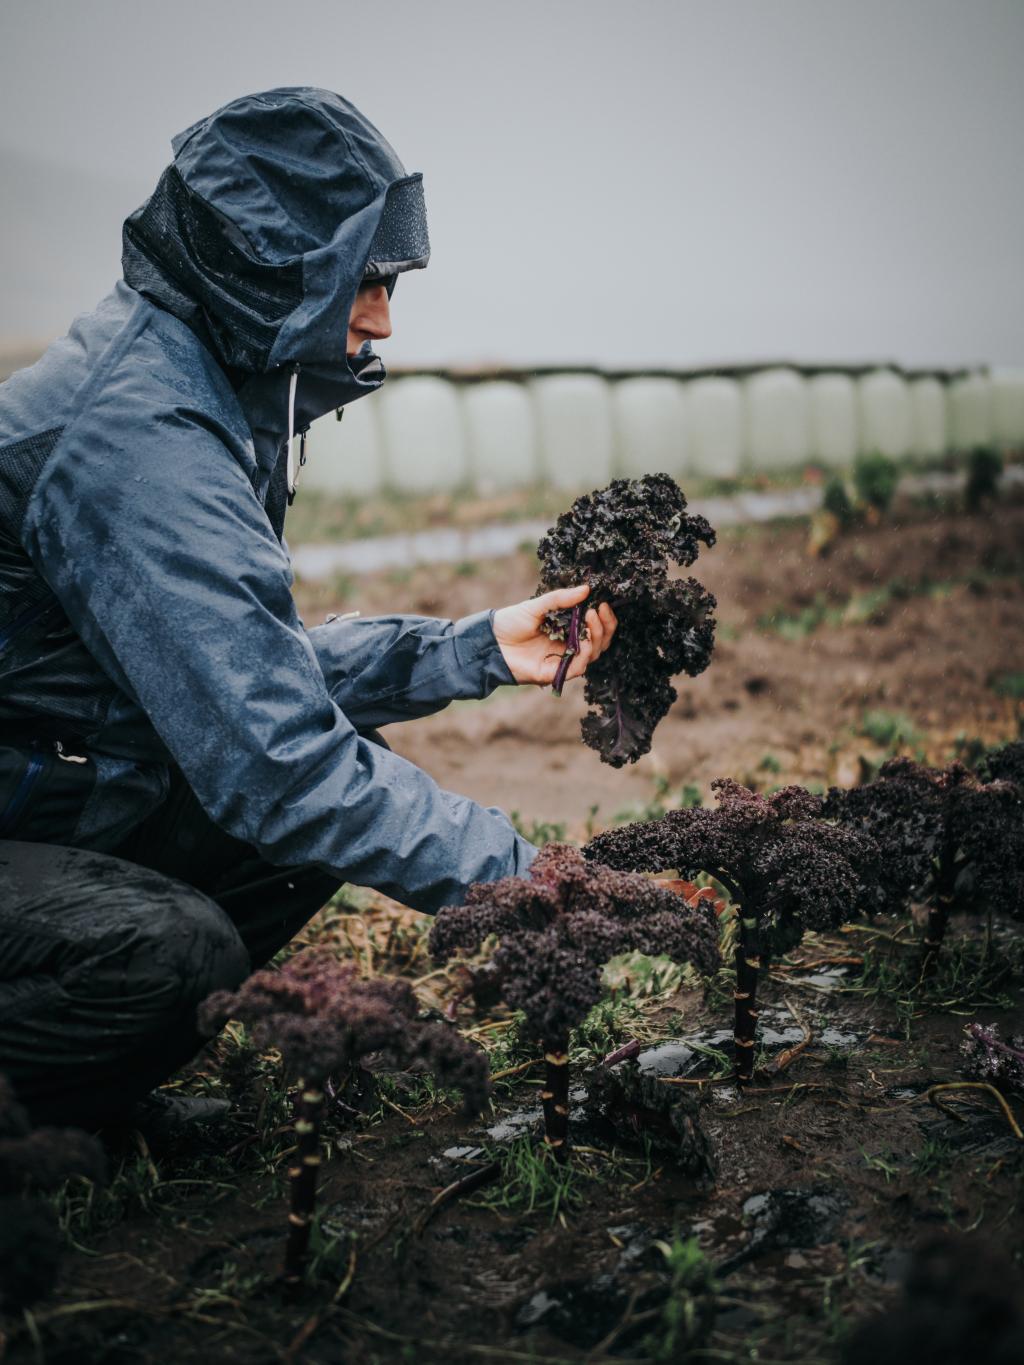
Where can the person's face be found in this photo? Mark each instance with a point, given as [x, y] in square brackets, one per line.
[370, 319]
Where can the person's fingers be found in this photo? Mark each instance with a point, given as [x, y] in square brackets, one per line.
[609, 620]
[557, 600]
[595, 630]
[579, 664]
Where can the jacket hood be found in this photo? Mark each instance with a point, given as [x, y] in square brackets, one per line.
[261, 229]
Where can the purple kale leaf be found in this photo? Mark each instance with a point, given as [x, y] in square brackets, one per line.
[944, 830]
[622, 540]
[988, 1058]
[1004, 765]
[323, 1017]
[556, 928]
[788, 868]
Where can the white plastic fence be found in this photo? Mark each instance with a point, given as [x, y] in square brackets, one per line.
[427, 433]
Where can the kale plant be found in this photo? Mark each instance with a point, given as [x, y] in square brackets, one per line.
[555, 929]
[34, 1159]
[621, 540]
[323, 1018]
[988, 1058]
[961, 1302]
[944, 833]
[1004, 765]
[785, 869]
[899, 811]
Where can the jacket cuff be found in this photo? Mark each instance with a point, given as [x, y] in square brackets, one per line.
[479, 652]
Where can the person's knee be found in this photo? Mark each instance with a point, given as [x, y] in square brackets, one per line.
[166, 961]
[211, 956]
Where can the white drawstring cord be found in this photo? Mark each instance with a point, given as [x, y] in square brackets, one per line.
[292, 471]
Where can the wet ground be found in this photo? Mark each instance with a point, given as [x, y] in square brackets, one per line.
[695, 1221]
[765, 1221]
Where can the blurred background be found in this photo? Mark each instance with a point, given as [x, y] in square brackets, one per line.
[773, 250]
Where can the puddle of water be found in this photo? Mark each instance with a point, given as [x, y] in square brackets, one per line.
[834, 1037]
[829, 979]
[460, 1154]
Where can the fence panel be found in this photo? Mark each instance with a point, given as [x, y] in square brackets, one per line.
[346, 457]
[649, 414]
[715, 422]
[575, 427]
[424, 435]
[885, 416]
[928, 425]
[501, 432]
[777, 420]
[834, 419]
[970, 412]
[1008, 406]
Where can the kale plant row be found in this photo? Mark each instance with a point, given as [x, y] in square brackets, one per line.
[621, 540]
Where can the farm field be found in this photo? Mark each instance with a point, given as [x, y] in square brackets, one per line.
[696, 1221]
[909, 628]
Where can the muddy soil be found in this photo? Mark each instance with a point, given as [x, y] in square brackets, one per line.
[827, 1172]
[920, 619]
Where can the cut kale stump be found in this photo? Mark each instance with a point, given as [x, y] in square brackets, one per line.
[622, 540]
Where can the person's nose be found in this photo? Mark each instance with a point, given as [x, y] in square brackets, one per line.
[375, 314]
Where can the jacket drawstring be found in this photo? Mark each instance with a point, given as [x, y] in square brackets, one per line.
[293, 472]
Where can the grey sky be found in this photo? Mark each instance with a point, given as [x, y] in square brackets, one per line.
[652, 182]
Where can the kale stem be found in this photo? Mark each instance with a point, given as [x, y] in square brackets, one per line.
[308, 1108]
[748, 965]
[938, 915]
[572, 648]
[555, 1096]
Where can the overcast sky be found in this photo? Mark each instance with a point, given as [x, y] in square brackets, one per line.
[659, 182]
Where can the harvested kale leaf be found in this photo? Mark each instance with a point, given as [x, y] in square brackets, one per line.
[621, 540]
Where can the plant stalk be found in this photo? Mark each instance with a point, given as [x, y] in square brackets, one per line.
[303, 1176]
[555, 1096]
[748, 965]
[572, 648]
[938, 914]
[934, 933]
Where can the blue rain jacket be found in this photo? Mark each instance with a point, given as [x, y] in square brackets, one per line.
[146, 616]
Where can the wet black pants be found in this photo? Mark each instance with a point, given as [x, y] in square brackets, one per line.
[104, 960]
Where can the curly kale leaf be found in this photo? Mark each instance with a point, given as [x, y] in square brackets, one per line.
[788, 867]
[621, 540]
[558, 926]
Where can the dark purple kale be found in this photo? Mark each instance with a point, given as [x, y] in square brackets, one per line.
[899, 812]
[1004, 765]
[30, 1247]
[988, 1058]
[41, 1158]
[946, 835]
[962, 1301]
[34, 1159]
[555, 929]
[323, 1017]
[785, 868]
[621, 540]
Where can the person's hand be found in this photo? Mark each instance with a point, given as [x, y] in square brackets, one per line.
[533, 657]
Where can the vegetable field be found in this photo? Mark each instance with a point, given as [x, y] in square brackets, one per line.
[804, 1114]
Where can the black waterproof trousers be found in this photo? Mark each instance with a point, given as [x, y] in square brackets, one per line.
[104, 960]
